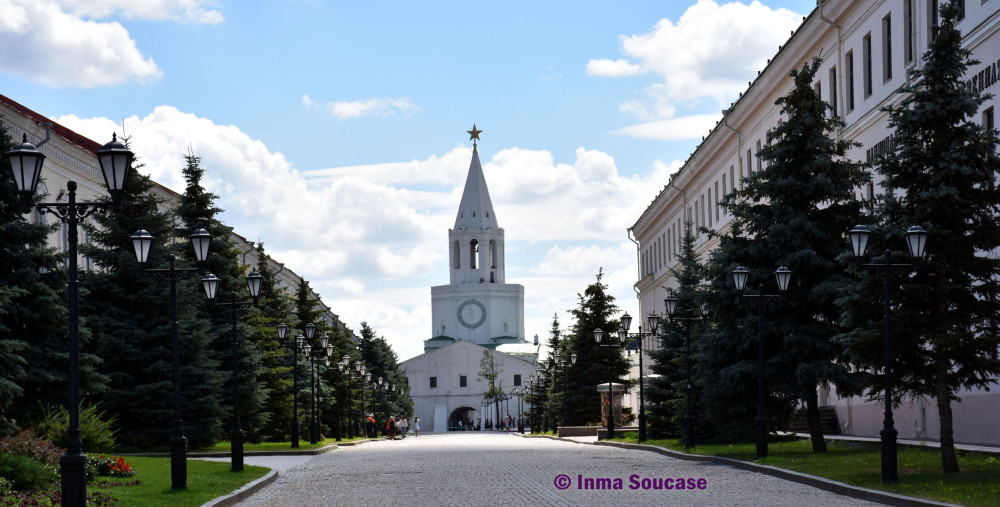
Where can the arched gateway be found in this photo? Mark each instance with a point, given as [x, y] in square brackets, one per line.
[465, 415]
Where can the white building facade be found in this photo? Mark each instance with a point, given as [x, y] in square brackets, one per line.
[477, 313]
[868, 49]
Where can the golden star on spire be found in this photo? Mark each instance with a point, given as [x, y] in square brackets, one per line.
[474, 134]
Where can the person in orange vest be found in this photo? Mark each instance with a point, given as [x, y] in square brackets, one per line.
[390, 428]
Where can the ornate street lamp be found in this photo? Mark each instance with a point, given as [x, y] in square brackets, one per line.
[560, 362]
[598, 334]
[200, 241]
[26, 165]
[671, 305]
[916, 240]
[210, 283]
[653, 321]
[740, 275]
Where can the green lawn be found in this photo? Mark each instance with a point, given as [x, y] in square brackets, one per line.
[206, 481]
[274, 446]
[859, 464]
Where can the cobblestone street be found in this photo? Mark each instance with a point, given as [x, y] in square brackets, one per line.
[495, 468]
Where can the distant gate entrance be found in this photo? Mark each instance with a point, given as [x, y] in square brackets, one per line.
[461, 418]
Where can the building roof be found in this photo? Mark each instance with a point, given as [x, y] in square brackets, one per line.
[476, 209]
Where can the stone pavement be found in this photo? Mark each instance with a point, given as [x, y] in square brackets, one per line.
[495, 468]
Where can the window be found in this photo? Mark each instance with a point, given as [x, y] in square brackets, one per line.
[710, 206]
[866, 63]
[887, 47]
[818, 88]
[909, 32]
[932, 18]
[493, 253]
[849, 63]
[989, 125]
[758, 156]
[434, 382]
[749, 158]
[474, 254]
[517, 380]
[717, 196]
[463, 381]
[456, 256]
[961, 10]
[833, 90]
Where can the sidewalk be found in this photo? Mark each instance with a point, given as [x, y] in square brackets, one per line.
[901, 441]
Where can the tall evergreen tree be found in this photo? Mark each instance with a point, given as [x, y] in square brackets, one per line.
[560, 379]
[130, 315]
[939, 174]
[795, 212]
[381, 361]
[666, 389]
[196, 209]
[274, 307]
[34, 334]
[596, 310]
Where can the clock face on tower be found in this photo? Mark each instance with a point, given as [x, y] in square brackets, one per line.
[471, 313]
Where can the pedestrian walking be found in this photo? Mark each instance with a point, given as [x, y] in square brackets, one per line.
[416, 426]
[390, 428]
[402, 427]
[370, 426]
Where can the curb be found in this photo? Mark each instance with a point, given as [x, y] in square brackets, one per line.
[243, 493]
[837, 487]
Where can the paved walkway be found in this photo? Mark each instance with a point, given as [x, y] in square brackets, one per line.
[493, 469]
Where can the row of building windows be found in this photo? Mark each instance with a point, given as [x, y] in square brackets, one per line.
[463, 381]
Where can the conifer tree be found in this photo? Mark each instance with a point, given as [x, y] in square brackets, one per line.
[196, 209]
[382, 361]
[666, 390]
[274, 307]
[596, 310]
[554, 396]
[34, 336]
[130, 315]
[795, 212]
[939, 174]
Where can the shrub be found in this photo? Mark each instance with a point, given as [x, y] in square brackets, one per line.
[25, 473]
[110, 466]
[96, 431]
[27, 443]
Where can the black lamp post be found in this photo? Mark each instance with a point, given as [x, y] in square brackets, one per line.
[211, 284]
[200, 240]
[598, 334]
[307, 354]
[26, 164]
[783, 275]
[916, 240]
[653, 320]
[671, 304]
[345, 367]
[561, 363]
[282, 331]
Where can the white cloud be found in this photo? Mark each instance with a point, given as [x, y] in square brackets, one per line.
[194, 11]
[380, 107]
[42, 43]
[709, 53]
[372, 247]
[612, 68]
[674, 129]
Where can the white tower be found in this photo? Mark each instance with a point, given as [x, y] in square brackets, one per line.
[477, 305]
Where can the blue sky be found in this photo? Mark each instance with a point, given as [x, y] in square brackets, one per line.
[335, 131]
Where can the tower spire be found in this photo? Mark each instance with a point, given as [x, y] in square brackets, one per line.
[474, 135]
[476, 208]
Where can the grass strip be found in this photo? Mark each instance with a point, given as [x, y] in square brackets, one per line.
[206, 480]
[860, 464]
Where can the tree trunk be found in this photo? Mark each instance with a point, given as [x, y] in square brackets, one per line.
[815, 426]
[949, 461]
